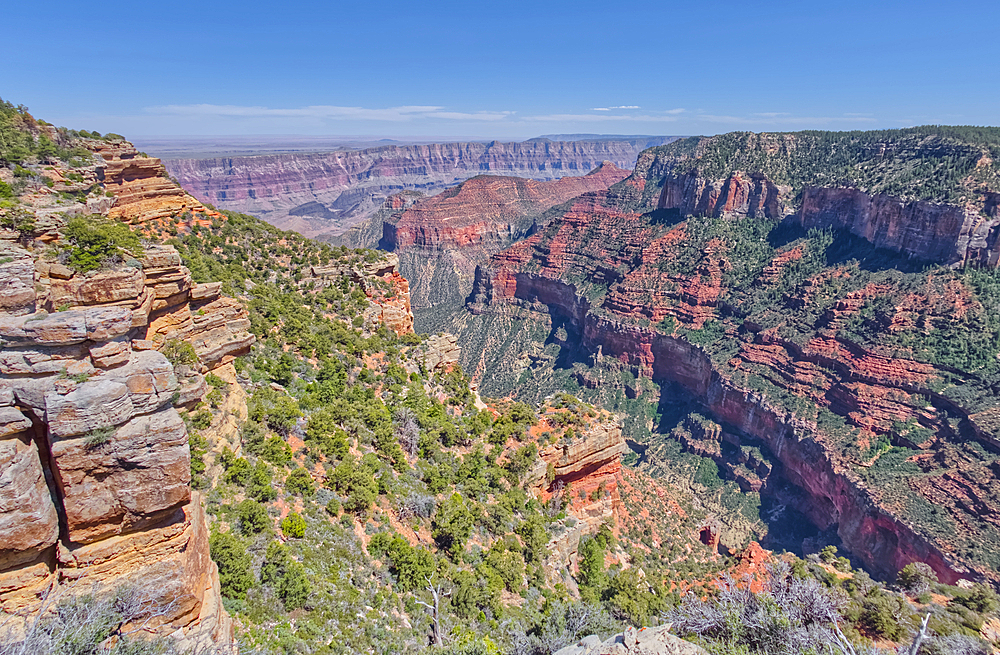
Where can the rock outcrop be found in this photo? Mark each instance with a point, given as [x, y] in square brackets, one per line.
[329, 192]
[954, 235]
[865, 184]
[641, 641]
[95, 467]
[380, 279]
[142, 190]
[581, 469]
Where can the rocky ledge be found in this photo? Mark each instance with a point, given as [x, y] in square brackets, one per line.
[641, 641]
[94, 457]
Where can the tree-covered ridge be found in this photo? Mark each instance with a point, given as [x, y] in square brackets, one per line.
[954, 164]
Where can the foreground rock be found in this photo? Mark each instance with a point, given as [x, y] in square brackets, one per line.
[95, 466]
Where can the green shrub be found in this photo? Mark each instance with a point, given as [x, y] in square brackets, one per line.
[287, 576]
[276, 451]
[413, 566]
[230, 553]
[201, 419]
[452, 524]
[179, 352]
[293, 526]
[238, 471]
[253, 518]
[260, 488]
[356, 483]
[916, 577]
[95, 242]
[300, 482]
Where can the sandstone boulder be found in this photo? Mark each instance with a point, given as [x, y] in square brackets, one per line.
[205, 292]
[34, 360]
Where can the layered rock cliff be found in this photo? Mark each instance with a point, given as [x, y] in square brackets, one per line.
[97, 464]
[928, 192]
[441, 239]
[95, 473]
[142, 190]
[856, 371]
[328, 193]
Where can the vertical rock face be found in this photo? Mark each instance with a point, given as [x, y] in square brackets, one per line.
[737, 195]
[950, 234]
[94, 459]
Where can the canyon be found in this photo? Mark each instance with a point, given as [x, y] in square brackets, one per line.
[804, 345]
[327, 193]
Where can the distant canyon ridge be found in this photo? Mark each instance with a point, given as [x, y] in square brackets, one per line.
[324, 194]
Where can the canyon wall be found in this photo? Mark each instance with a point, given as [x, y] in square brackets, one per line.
[953, 235]
[440, 240]
[637, 289]
[950, 232]
[328, 193]
[835, 496]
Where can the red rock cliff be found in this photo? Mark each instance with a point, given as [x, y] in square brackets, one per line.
[441, 239]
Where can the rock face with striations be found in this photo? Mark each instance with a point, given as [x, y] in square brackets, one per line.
[142, 190]
[441, 239]
[329, 192]
[94, 459]
[634, 284]
[95, 466]
[867, 183]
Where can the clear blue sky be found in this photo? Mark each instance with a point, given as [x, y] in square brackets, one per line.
[500, 69]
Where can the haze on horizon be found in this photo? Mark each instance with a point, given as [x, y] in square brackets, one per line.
[510, 70]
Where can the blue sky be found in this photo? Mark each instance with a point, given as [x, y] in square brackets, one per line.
[500, 69]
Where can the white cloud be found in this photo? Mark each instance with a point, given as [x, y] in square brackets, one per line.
[590, 118]
[617, 107]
